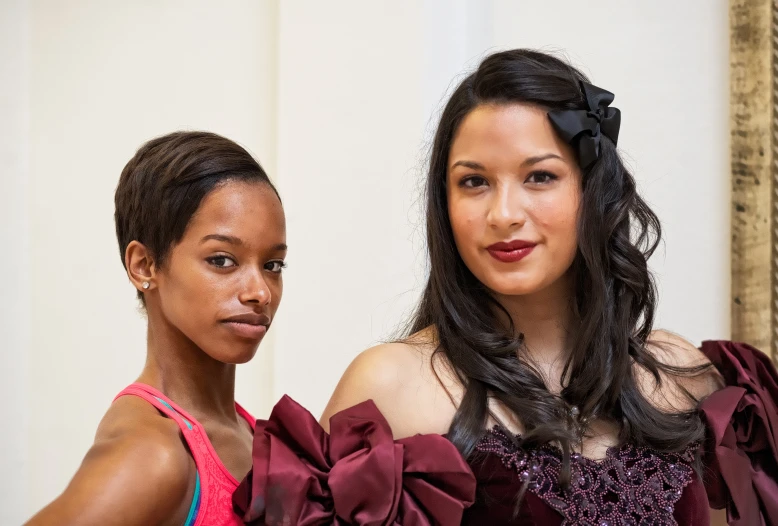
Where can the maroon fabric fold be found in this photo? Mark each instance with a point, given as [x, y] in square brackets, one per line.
[356, 475]
[741, 454]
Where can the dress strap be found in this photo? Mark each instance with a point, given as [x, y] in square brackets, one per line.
[165, 406]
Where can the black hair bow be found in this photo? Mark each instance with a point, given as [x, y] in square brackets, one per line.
[581, 129]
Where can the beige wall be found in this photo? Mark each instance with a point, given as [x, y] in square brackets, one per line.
[355, 98]
[103, 78]
[15, 272]
[336, 100]
[668, 64]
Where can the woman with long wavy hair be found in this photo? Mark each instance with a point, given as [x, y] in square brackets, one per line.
[533, 350]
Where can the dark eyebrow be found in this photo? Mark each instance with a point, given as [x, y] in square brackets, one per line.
[535, 160]
[238, 242]
[232, 240]
[527, 162]
[469, 164]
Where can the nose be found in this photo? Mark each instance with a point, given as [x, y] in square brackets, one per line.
[255, 289]
[506, 209]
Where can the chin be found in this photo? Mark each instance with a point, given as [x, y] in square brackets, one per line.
[243, 357]
[235, 354]
[517, 290]
[512, 285]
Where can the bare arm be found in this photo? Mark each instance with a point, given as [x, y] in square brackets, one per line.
[673, 350]
[133, 476]
[399, 379]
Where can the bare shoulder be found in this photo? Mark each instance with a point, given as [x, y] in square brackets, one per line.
[138, 471]
[694, 379]
[675, 350]
[407, 381]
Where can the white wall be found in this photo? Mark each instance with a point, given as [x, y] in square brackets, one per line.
[668, 64]
[15, 266]
[104, 78]
[337, 101]
[356, 95]
[355, 98]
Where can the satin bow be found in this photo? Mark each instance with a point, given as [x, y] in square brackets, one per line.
[582, 129]
[355, 475]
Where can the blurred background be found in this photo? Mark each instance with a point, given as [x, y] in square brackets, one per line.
[337, 100]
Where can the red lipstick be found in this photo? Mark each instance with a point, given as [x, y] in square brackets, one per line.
[510, 251]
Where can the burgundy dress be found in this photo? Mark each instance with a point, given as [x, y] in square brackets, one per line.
[359, 475]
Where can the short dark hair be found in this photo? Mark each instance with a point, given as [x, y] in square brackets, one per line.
[162, 186]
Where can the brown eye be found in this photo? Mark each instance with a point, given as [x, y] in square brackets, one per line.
[472, 181]
[275, 266]
[221, 261]
[541, 177]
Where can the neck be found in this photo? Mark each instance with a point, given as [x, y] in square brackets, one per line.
[547, 322]
[186, 374]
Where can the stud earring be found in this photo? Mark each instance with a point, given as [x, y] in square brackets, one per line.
[146, 285]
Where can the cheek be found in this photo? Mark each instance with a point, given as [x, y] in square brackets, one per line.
[557, 216]
[191, 283]
[190, 293]
[276, 287]
[466, 221]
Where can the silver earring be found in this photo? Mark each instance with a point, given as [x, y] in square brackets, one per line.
[146, 285]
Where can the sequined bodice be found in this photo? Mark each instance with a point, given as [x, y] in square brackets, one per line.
[630, 486]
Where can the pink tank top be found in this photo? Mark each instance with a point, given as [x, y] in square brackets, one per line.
[212, 501]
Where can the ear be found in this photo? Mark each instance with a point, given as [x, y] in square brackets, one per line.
[141, 268]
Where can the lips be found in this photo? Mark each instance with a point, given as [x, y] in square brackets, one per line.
[510, 251]
[250, 325]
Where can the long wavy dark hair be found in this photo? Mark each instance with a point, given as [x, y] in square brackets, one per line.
[614, 298]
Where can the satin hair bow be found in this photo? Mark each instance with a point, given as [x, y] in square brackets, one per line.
[582, 129]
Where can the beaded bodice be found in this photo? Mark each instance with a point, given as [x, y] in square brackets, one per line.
[631, 485]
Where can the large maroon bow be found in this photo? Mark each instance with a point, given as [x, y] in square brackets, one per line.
[742, 447]
[356, 475]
